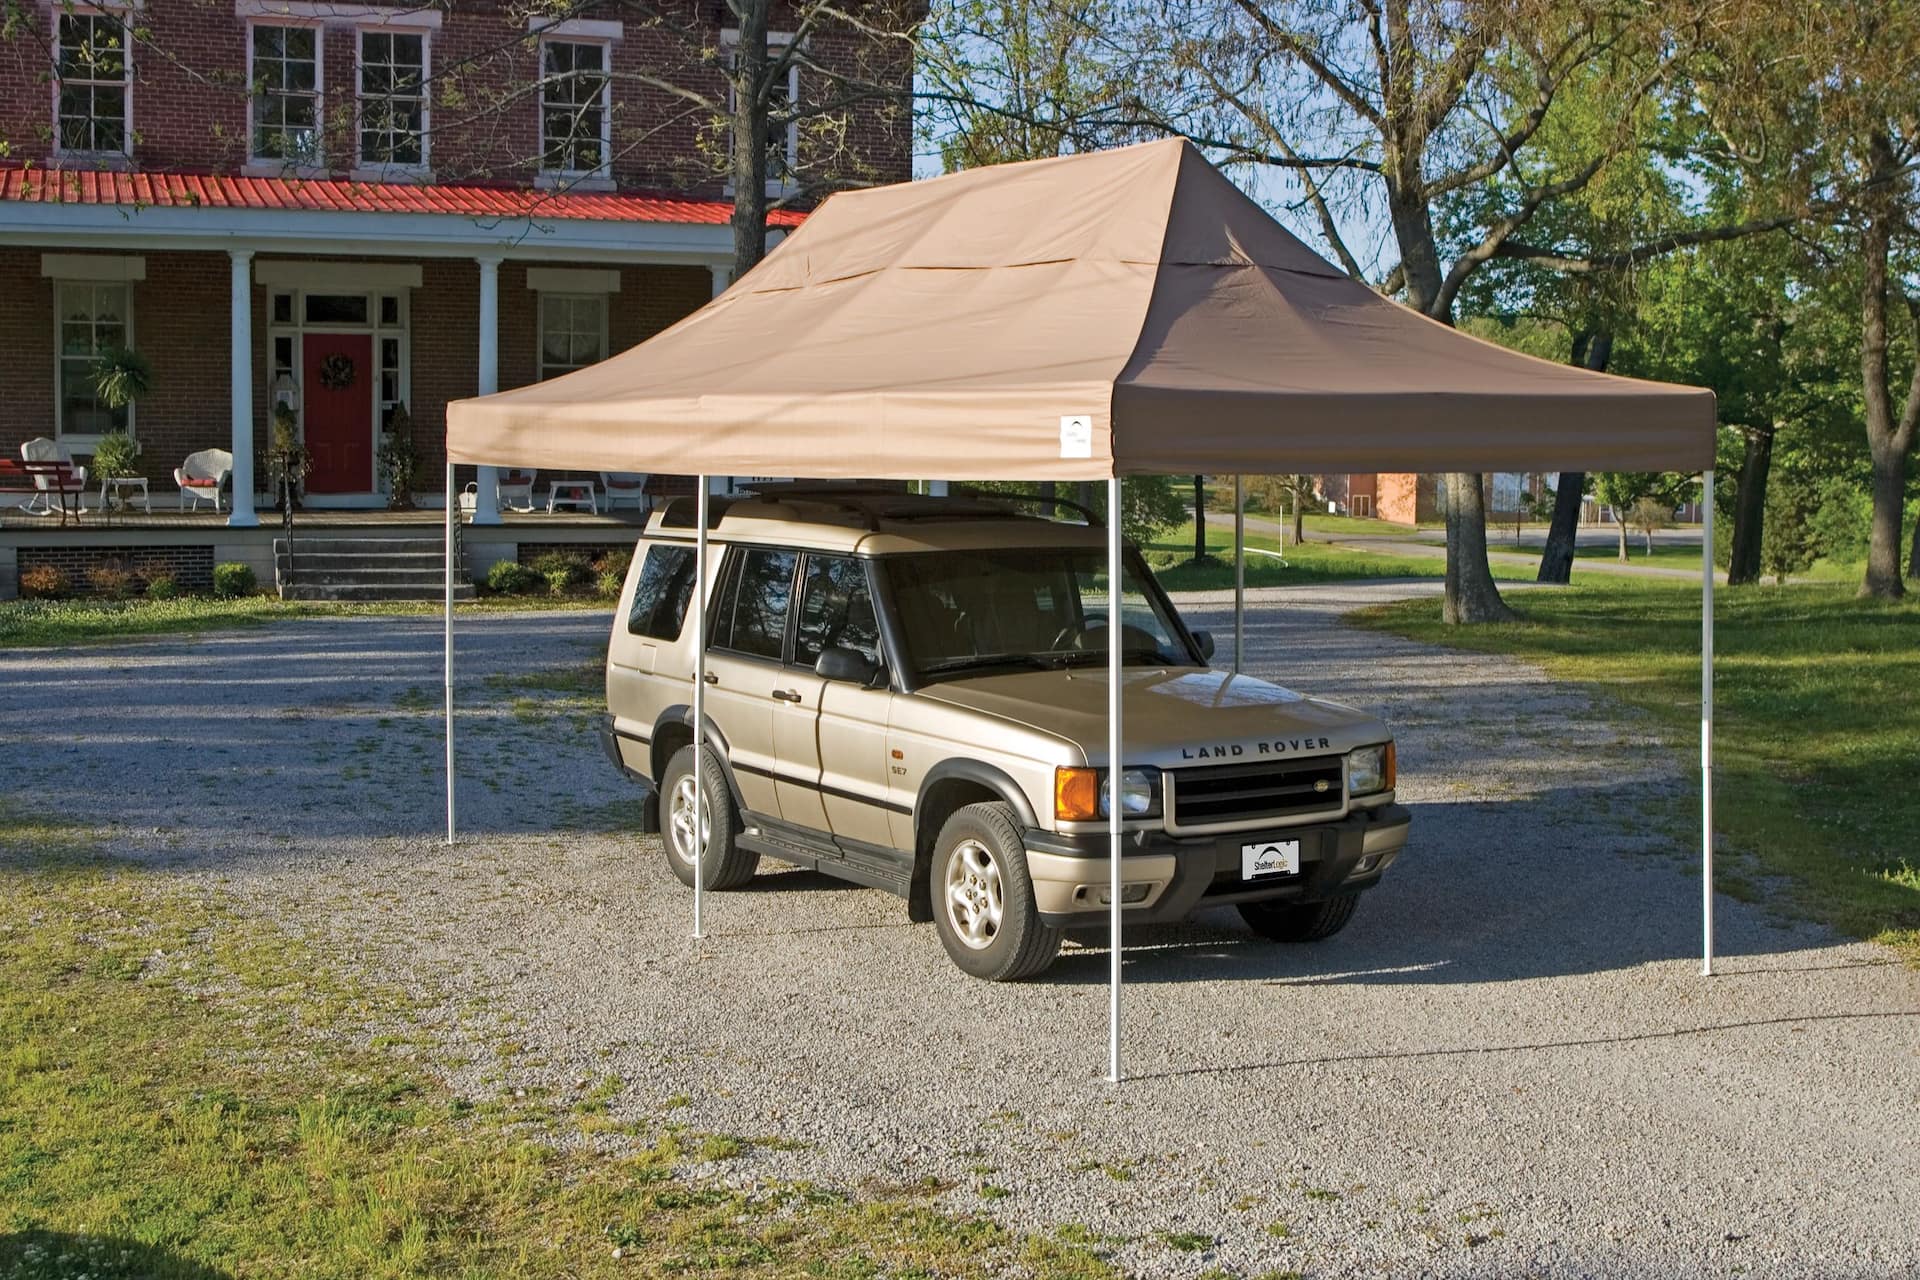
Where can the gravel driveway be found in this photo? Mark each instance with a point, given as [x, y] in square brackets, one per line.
[1508, 1065]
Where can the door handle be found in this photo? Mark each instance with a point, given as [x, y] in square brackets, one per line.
[786, 695]
[712, 678]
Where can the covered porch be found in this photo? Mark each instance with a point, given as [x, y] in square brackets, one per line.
[356, 311]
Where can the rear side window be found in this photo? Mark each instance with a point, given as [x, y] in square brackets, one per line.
[753, 617]
[661, 597]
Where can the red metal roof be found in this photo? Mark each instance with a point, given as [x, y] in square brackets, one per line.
[333, 195]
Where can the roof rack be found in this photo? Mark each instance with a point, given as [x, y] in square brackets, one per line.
[1033, 499]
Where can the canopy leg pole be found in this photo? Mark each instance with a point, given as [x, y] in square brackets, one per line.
[1706, 725]
[1115, 767]
[453, 513]
[699, 836]
[1239, 571]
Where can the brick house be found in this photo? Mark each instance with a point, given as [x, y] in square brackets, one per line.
[348, 208]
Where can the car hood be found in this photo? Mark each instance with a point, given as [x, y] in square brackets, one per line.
[1171, 717]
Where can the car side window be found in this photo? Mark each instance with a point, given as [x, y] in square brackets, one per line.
[755, 614]
[836, 608]
[661, 596]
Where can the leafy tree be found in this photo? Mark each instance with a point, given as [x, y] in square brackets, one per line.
[1789, 545]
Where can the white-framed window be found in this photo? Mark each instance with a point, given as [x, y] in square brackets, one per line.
[283, 69]
[93, 84]
[92, 318]
[393, 97]
[573, 332]
[783, 132]
[576, 107]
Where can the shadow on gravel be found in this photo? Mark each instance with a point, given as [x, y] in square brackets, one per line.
[1587, 1042]
[1541, 900]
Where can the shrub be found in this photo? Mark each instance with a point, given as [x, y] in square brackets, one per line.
[45, 581]
[609, 584]
[511, 578]
[1841, 523]
[1787, 543]
[112, 580]
[615, 563]
[232, 579]
[162, 585]
[563, 570]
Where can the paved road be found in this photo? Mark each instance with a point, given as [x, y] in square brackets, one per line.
[1431, 544]
[1508, 1065]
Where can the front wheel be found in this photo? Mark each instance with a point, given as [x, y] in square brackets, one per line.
[725, 865]
[1300, 921]
[983, 899]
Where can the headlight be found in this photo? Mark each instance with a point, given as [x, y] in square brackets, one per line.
[1083, 795]
[1139, 793]
[1370, 769]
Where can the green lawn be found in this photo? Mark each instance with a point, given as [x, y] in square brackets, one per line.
[189, 1094]
[1312, 562]
[38, 623]
[1818, 723]
[1665, 557]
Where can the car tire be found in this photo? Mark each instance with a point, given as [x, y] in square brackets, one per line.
[725, 865]
[1300, 921]
[982, 897]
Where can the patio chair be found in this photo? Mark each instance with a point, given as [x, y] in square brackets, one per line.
[201, 477]
[624, 486]
[516, 490]
[46, 490]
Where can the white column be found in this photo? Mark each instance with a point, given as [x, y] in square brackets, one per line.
[698, 837]
[241, 390]
[486, 502]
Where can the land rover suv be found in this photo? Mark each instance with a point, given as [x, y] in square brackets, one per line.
[910, 693]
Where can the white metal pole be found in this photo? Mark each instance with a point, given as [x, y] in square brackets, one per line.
[1115, 766]
[453, 513]
[1239, 570]
[699, 836]
[1706, 725]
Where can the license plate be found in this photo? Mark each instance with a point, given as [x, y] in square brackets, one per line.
[1269, 858]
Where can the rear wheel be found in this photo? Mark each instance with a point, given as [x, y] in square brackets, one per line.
[983, 899]
[1300, 921]
[725, 865]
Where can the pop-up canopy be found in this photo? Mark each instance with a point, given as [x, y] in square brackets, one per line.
[945, 328]
[1126, 312]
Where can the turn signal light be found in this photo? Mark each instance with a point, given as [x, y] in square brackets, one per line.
[1393, 767]
[1076, 795]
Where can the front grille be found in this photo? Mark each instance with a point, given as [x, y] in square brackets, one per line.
[1234, 793]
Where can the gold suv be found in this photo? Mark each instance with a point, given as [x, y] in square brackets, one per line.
[910, 693]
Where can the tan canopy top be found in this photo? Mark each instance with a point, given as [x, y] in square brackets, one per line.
[1123, 312]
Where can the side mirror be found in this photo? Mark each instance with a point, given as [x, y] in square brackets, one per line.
[851, 666]
[1205, 640]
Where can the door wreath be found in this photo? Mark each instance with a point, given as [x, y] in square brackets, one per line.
[336, 372]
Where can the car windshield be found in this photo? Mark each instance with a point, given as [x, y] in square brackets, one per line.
[1026, 608]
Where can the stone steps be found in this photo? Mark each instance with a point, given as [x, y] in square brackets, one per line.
[365, 569]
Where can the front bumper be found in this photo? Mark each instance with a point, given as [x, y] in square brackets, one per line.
[1177, 876]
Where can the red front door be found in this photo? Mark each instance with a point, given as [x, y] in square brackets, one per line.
[337, 395]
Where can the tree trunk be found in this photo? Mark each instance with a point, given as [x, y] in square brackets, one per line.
[748, 134]
[1620, 522]
[1883, 546]
[1199, 519]
[1590, 351]
[1750, 510]
[1299, 517]
[1471, 595]
[1887, 442]
[1913, 554]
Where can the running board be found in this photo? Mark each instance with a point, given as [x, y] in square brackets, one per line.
[864, 864]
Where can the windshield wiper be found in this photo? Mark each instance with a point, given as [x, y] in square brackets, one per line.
[973, 660]
[1098, 657]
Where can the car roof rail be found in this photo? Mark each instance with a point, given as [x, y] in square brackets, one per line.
[1085, 512]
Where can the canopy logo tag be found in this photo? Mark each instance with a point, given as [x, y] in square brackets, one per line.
[1076, 435]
